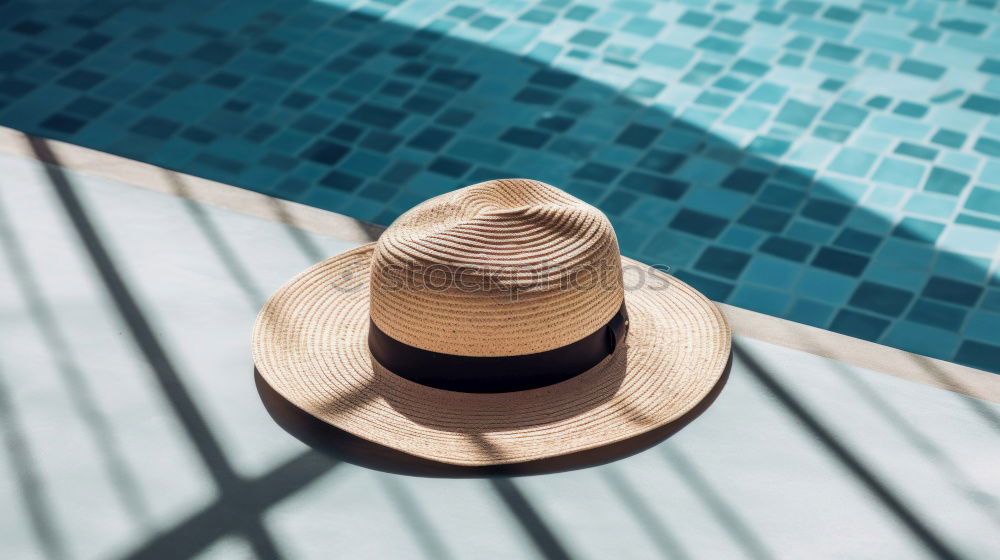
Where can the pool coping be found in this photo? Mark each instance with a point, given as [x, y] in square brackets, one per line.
[899, 363]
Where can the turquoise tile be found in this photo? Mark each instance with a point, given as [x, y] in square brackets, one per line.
[797, 113]
[719, 261]
[910, 109]
[589, 38]
[982, 104]
[946, 317]
[851, 161]
[886, 196]
[982, 199]
[838, 52]
[881, 298]
[773, 272]
[921, 339]
[759, 299]
[825, 286]
[922, 69]
[899, 172]
[931, 205]
[748, 117]
[914, 150]
[946, 181]
[961, 267]
[979, 355]
[643, 26]
[847, 115]
[768, 92]
[673, 249]
[720, 45]
[667, 55]
[810, 312]
[859, 325]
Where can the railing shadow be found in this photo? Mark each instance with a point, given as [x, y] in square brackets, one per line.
[225, 478]
[918, 528]
[79, 389]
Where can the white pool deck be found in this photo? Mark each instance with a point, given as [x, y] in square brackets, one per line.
[130, 425]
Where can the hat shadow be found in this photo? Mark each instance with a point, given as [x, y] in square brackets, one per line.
[349, 448]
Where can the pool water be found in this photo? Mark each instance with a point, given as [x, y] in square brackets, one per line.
[834, 163]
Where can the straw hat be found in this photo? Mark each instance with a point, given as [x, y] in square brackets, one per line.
[494, 324]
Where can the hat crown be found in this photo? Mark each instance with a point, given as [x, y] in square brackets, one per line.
[500, 268]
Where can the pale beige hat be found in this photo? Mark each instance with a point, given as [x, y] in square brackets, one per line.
[501, 281]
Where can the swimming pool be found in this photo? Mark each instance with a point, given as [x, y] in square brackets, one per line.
[837, 164]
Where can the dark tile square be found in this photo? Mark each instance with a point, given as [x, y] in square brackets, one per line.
[431, 139]
[638, 136]
[525, 137]
[63, 123]
[952, 291]
[553, 78]
[716, 290]
[698, 223]
[556, 123]
[979, 355]
[880, 298]
[938, 315]
[859, 325]
[825, 211]
[325, 152]
[449, 166]
[744, 180]
[839, 261]
[857, 240]
[453, 78]
[536, 96]
[722, 262]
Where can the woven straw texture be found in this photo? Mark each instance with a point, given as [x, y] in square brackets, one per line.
[310, 339]
[483, 271]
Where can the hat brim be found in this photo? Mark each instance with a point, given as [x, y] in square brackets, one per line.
[310, 345]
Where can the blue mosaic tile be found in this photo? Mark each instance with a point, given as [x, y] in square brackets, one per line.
[835, 164]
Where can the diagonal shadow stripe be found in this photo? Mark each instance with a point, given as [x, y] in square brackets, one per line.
[545, 540]
[80, 392]
[741, 531]
[922, 442]
[917, 527]
[43, 522]
[226, 516]
[187, 413]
